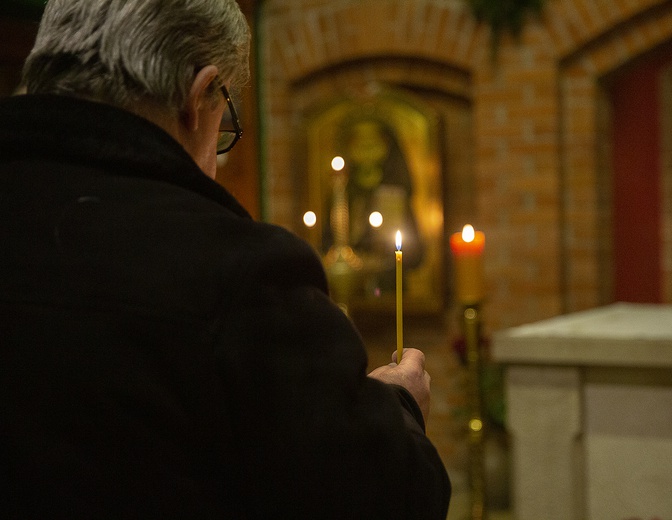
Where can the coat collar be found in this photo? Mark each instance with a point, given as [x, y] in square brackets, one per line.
[99, 135]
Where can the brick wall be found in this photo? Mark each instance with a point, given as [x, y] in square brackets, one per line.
[537, 180]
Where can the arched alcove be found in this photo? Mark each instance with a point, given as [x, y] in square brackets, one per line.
[428, 104]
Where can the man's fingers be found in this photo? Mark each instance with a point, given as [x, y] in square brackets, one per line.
[410, 355]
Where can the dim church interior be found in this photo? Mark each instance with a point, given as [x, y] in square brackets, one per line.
[560, 150]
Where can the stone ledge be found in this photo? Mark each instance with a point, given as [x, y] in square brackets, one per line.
[621, 334]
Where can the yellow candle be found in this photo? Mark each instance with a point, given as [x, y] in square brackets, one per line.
[467, 248]
[400, 318]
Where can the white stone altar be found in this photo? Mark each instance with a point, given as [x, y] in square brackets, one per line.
[589, 410]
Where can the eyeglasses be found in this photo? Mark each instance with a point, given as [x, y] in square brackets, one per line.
[229, 129]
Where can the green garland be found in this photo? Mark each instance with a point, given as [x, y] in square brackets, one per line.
[505, 15]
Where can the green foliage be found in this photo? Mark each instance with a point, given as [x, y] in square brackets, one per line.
[505, 15]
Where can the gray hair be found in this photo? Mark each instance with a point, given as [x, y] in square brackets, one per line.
[123, 51]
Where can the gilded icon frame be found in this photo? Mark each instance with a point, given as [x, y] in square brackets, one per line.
[402, 119]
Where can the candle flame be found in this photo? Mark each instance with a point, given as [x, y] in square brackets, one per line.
[337, 163]
[398, 240]
[468, 233]
[309, 218]
[376, 219]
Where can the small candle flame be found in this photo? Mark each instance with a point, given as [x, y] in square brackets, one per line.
[337, 163]
[376, 219]
[468, 233]
[309, 218]
[398, 240]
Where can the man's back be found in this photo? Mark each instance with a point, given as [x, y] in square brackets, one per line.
[163, 354]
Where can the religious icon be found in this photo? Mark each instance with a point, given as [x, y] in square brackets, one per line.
[374, 169]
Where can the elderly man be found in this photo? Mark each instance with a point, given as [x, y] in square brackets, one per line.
[162, 354]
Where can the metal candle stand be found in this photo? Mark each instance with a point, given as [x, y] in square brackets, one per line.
[471, 323]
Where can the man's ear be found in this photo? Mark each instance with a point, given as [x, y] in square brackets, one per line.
[198, 97]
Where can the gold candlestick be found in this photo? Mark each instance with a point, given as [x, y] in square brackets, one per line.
[341, 262]
[471, 327]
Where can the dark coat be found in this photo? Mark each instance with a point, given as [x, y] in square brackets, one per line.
[164, 355]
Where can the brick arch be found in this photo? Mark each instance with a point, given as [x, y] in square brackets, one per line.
[585, 149]
[428, 42]
[574, 25]
[401, 70]
[305, 39]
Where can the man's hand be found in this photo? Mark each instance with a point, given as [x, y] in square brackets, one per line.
[410, 374]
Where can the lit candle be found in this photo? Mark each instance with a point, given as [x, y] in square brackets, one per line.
[309, 219]
[400, 317]
[467, 248]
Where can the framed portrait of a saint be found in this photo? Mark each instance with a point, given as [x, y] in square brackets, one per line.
[373, 168]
